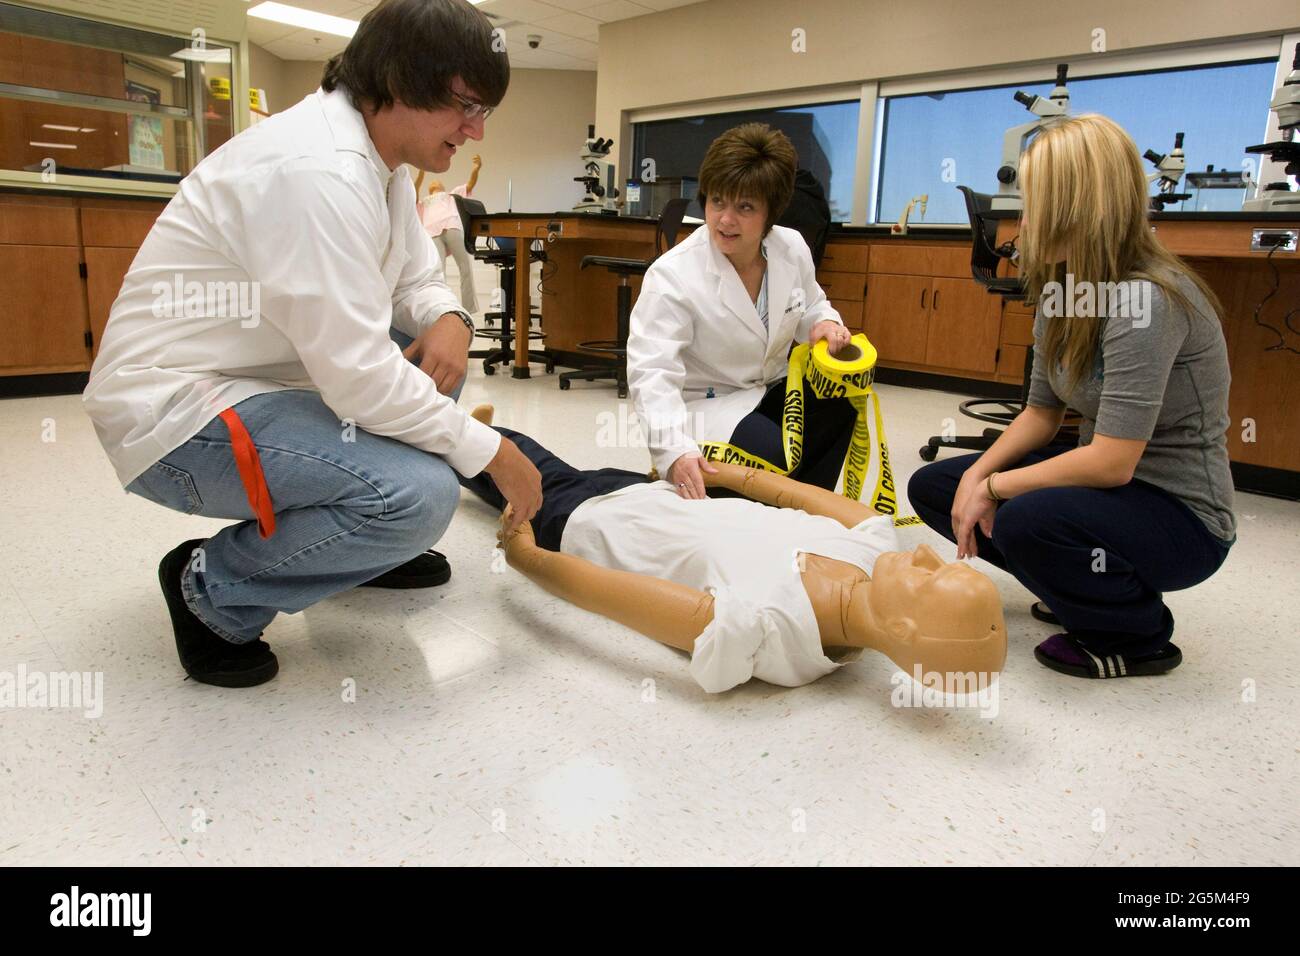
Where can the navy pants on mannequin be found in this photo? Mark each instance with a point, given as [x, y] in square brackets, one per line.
[1099, 558]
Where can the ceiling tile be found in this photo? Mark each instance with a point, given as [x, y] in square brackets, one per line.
[616, 10]
[570, 24]
[263, 32]
[582, 49]
[666, 4]
[525, 10]
[575, 5]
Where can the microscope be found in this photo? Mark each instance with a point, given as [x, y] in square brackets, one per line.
[1281, 196]
[1017, 137]
[1169, 170]
[599, 181]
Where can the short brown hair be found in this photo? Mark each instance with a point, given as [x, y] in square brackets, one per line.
[751, 161]
[409, 50]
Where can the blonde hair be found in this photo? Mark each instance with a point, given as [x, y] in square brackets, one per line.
[1085, 197]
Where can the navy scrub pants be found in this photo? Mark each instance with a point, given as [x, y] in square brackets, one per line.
[1099, 558]
[828, 428]
[563, 488]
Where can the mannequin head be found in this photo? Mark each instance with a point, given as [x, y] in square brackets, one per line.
[920, 610]
[436, 187]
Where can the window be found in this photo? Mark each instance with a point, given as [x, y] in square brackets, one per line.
[93, 99]
[933, 142]
[825, 135]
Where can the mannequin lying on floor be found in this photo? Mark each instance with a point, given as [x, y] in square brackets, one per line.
[785, 583]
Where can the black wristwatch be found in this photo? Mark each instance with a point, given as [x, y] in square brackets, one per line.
[464, 317]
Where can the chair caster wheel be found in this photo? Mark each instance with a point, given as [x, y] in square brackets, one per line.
[550, 368]
[622, 393]
[928, 452]
[489, 368]
[564, 385]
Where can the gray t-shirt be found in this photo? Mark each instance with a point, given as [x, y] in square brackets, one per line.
[1166, 383]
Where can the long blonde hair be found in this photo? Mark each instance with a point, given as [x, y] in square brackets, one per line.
[1085, 197]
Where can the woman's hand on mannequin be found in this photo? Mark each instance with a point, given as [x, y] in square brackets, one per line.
[971, 507]
[442, 352]
[836, 335]
[687, 475]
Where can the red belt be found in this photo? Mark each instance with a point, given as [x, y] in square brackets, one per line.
[250, 472]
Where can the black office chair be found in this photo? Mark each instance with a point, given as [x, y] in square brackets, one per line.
[502, 255]
[670, 221]
[809, 214]
[984, 259]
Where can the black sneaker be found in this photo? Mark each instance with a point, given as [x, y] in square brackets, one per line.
[207, 656]
[422, 571]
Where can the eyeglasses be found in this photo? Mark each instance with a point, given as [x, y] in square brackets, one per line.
[472, 109]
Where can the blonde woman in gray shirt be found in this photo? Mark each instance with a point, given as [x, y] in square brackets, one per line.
[1127, 335]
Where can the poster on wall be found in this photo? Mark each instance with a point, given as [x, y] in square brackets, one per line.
[144, 133]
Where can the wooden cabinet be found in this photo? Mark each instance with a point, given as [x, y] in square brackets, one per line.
[105, 270]
[44, 315]
[62, 261]
[925, 313]
[843, 277]
[898, 317]
[964, 322]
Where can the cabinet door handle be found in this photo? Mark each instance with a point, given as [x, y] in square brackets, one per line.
[923, 292]
[934, 302]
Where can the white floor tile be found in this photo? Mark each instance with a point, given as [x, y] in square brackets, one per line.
[486, 722]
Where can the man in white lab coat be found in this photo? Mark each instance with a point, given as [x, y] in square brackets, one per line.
[251, 368]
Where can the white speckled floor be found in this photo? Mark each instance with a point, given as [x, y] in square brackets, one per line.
[494, 724]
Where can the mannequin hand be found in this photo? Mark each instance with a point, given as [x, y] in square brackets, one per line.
[442, 352]
[511, 533]
[836, 335]
[519, 482]
[478, 161]
[971, 507]
[687, 475]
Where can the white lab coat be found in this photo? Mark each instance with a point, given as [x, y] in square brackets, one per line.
[694, 327]
[301, 215]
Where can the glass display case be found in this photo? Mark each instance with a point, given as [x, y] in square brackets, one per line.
[649, 199]
[87, 98]
[1215, 190]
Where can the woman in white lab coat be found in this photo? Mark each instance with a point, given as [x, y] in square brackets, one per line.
[712, 329]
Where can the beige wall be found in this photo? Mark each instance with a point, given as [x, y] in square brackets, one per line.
[266, 72]
[728, 48]
[532, 139]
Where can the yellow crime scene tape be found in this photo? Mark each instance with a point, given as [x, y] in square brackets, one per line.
[850, 376]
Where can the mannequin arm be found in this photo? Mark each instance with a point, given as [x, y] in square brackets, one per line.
[782, 492]
[418, 180]
[671, 613]
[473, 179]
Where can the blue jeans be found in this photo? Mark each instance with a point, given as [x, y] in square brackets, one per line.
[1099, 558]
[348, 507]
